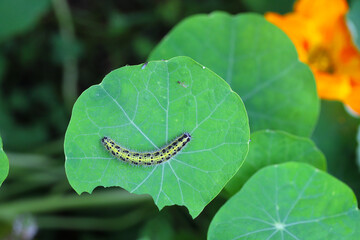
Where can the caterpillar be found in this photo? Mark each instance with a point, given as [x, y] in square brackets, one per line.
[146, 158]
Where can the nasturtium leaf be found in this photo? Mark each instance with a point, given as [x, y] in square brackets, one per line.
[17, 16]
[353, 22]
[273, 147]
[258, 61]
[289, 201]
[4, 164]
[145, 107]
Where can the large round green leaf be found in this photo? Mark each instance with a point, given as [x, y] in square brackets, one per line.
[4, 164]
[258, 61]
[289, 201]
[272, 147]
[144, 108]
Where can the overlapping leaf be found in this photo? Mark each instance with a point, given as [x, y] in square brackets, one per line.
[273, 147]
[289, 201]
[258, 61]
[144, 108]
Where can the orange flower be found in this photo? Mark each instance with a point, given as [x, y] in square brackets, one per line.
[323, 41]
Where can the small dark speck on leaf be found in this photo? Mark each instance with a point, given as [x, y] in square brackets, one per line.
[182, 84]
[144, 65]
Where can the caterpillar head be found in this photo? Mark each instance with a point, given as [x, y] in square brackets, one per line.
[188, 136]
[104, 140]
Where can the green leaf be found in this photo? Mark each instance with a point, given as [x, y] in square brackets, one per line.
[17, 16]
[274, 147]
[353, 22]
[258, 61]
[4, 164]
[289, 201]
[145, 107]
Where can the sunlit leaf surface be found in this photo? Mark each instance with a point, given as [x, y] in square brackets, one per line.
[143, 108]
[289, 201]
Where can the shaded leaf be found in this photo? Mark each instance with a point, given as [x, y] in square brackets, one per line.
[335, 135]
[3, 65]
[143, 108]
[274, 147]
[289, 201]
[157, 228]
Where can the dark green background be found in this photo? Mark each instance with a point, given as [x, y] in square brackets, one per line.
[37, 47]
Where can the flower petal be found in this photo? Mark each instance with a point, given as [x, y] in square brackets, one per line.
[353, 100]
[332, 86]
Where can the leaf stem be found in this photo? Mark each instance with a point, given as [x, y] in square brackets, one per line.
[67, 33]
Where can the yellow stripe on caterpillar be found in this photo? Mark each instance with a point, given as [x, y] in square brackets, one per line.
[146, 158]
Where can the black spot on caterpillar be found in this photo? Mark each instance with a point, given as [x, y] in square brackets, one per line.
[146, 158]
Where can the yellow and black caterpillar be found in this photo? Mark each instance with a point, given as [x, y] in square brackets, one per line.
[146, 158]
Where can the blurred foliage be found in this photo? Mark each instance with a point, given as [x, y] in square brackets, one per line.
[2, 67]
[17, 16]
[358, 148]
[263, 6]
[335, 135]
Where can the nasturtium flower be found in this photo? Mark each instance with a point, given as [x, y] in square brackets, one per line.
[319, 32]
